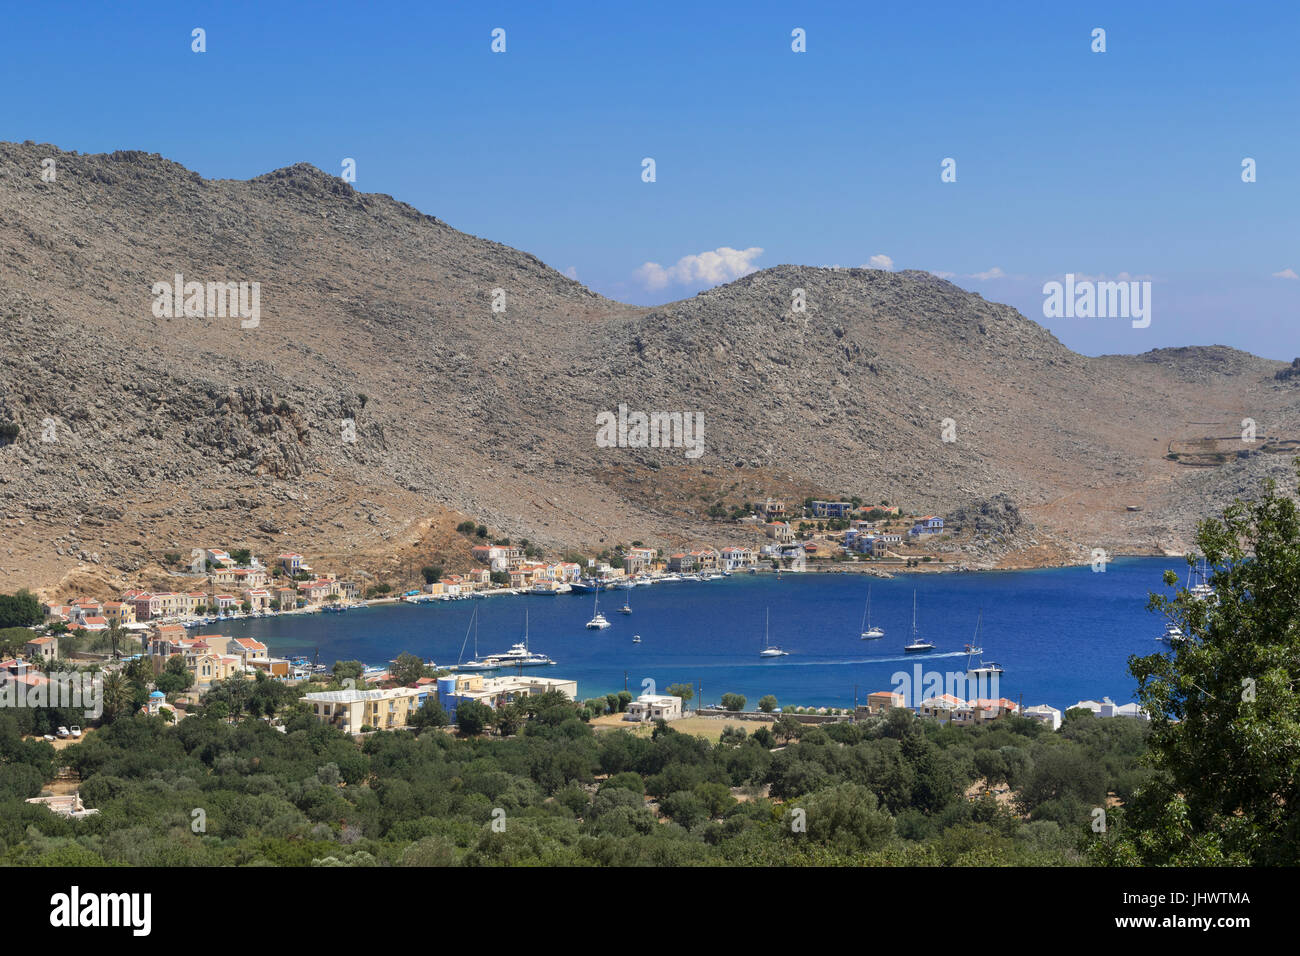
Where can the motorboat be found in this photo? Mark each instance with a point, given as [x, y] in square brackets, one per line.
[519, 654]
[1173, 634]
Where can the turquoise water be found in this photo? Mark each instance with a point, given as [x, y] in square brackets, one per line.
[1061, 634]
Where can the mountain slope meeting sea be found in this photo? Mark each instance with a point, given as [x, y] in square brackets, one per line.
[139, 435]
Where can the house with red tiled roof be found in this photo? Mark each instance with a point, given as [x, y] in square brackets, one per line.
[248, 649]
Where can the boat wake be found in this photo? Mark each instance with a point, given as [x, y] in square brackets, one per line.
[824, 662]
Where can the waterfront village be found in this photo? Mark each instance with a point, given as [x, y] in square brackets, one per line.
[148, 630]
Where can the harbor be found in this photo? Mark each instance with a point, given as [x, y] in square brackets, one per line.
[1058, 634]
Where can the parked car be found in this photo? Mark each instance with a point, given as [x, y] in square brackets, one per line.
[76, 731]
[63, 732]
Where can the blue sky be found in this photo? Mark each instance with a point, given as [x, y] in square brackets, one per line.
[1098, 164]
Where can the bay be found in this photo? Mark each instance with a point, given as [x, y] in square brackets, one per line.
[1061, 634]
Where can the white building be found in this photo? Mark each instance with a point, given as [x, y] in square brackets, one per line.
[1044, 715]
[654, 707]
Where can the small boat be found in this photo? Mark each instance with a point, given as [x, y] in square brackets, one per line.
[770, 650]
[869, 632]
[597, 622]
[636, 638]
[627, 606]
[917, 646]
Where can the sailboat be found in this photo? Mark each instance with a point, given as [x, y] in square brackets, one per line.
[973, 648]
[870, 633]
[474, 664]
[770, 650]
[917, 646]
[597, 622]
[627, 605]
[1201, 590]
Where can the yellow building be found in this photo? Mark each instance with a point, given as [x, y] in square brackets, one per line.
[350, 710]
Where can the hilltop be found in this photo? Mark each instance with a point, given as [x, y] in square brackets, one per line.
[175, 433]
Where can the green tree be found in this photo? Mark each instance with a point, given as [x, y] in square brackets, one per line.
[407, 669]
[1225, 703]
[472, 718]
[733, 701]
[21, 609]
[685, 691]
[430, 715]
[767, 703]
[432, 573]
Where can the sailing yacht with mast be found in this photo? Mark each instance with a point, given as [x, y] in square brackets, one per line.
[986, 671]
[627, 604]
[870, 633]
[917, 646]
[769, 649]
[1201, 590]
[598, 621]
[474, 664]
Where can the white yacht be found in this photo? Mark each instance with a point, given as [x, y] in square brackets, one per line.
[519, 654]
[1173, 634]
[917, 646]
[769, 649]
[636, 638]
[869, 632]
[1201, 590]
[597, 622]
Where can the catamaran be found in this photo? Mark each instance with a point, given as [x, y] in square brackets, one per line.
[870, 633]
[917, 646]
[770, 650]
[597, 622]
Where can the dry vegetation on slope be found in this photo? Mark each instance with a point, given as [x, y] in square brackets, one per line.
[183, 432]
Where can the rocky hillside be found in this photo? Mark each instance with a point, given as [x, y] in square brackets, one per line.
[140, 435]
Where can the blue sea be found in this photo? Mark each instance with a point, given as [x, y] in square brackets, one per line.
[1060, 634]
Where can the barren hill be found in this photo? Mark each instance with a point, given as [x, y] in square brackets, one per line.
[140, 435]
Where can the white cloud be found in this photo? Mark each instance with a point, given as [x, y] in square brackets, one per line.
[1287, 273]
[994, 273]
[881, 261]
[572, 273]
[720, 265]
[944, 275]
